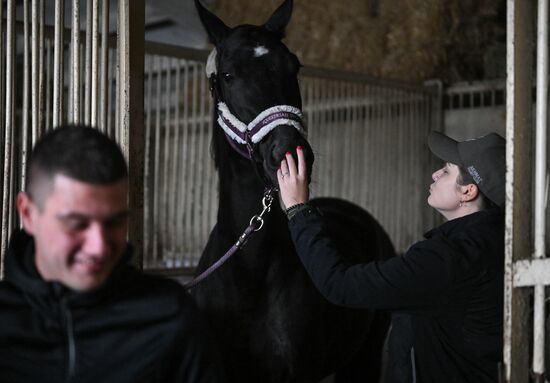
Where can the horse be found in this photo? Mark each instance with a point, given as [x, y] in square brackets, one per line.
[270, 322]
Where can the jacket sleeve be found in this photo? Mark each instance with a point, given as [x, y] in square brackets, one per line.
[417, 279]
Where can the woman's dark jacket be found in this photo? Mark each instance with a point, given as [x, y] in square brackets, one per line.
[445, 292]
[135, 328]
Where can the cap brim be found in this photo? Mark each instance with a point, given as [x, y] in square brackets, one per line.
[444, 147]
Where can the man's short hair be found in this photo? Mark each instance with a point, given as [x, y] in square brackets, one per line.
[79, 152]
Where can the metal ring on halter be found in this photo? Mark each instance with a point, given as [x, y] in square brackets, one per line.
[258, 219]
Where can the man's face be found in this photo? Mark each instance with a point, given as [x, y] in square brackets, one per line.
[80, 232]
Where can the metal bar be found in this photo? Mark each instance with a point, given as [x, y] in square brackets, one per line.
[26, 73]
[75, 63]
[35, 85]
[7, 203]
[41, 82]
[130, 89]
[156, 187]
[48, 89]
[166, 230]
[95, 64]
[184, 195]
[203, 158]
[148, 185]
[88, 63]
[58, 64]
[540, 185]
[176, 160]
[518, 185]
[104, 96]
[532, 272]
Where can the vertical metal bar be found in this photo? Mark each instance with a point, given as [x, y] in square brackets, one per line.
[184, 194]
[35, 85]
[165, 207]
[75, 62]
[193, 157]
[48, 89]
[540, 185]
[41, 82]
[157, 191]
[95, 63]
[176, 162]
[88, 63]
[202, 159]
[112, 113]
[7, 204]
[147, 216]
[58, 63]
[130, 88]
[518, 185]
[104, 97]
[25, 116]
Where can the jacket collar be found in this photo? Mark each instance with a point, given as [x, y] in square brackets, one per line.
[21, 272]
[458, 224]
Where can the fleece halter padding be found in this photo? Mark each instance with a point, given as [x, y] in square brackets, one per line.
[264, 123]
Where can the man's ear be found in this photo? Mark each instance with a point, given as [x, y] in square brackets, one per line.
[27, 212]
[470, 192]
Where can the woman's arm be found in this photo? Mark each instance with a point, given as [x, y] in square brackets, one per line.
[414, 280]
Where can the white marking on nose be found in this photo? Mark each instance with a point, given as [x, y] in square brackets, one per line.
[260, 51]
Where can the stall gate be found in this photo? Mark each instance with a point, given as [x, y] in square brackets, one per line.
[369, 139]
[368, 135]
[51, 75]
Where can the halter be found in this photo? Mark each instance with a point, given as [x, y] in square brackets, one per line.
[241, 135]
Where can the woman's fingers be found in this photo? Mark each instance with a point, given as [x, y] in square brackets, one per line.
[302, 170]
[284, 167]
[291, 165]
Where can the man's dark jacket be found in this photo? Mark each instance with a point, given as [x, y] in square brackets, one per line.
[445, 294]
[134, 328]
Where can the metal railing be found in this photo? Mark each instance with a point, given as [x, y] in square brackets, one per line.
[368, 136]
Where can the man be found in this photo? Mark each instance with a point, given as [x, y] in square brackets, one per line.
[72, 308]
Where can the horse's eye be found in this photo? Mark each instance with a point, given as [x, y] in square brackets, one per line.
[227, 76]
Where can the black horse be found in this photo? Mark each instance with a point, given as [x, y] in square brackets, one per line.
[271, 323]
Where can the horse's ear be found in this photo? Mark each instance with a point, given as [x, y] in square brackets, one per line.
[215, 28]
[280, 18]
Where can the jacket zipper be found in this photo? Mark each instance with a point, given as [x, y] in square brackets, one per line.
[70, 340]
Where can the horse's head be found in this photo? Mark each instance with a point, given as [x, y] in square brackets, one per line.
[255, 77]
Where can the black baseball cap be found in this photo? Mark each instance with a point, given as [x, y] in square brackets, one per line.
[483, 158]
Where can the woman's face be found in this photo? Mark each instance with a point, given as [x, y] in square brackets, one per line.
[445, 194]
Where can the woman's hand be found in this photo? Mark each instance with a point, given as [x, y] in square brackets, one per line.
[293, 187]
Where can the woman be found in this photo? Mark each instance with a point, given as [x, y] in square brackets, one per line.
[446, 292]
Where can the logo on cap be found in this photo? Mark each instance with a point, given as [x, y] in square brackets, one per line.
[475, 175]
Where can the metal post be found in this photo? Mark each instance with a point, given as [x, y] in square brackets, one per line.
[58, 64]
[41, 85]
[540, 186]
[88, 63]
[104, 97]
[7, 202]
[131, 31]
[75, 62]
[518, 185]
[26, 72]
[35, 79]
[95, 63]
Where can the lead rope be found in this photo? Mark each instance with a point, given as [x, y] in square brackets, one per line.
[256, 224]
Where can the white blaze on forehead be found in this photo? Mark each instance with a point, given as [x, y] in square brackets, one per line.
[260, 50]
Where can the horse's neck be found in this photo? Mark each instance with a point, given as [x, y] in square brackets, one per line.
[240, 194]
[240, 198]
